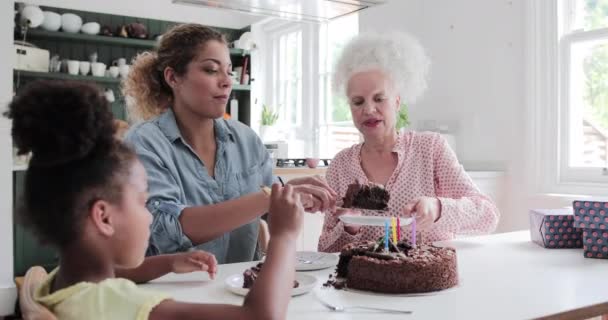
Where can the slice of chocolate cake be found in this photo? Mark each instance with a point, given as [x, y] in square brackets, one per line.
[250, 275]
[363, 196]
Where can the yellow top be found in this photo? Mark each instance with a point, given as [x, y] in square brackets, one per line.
[109, 299]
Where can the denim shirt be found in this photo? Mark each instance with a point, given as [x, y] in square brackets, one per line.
[177, 178]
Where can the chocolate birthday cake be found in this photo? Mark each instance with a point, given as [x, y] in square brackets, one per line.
[363, 196]
[250, 275]
[401, 269]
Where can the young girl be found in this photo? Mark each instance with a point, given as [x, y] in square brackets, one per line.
[86, 192]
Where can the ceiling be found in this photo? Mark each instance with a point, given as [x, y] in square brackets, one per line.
[301, 10]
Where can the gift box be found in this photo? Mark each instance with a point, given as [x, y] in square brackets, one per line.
[592, 218]
[554, 229]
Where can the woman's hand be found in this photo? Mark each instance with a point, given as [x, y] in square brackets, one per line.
[352, 229]
[191, 261]
[426, 210]
[315, 193]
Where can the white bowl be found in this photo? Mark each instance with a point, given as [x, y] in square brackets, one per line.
[90, 28]
[32, 16]
[52, 21]
[71, 23]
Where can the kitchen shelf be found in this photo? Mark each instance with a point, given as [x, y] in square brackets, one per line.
[82, 37]
[66, 76]
[20, 167]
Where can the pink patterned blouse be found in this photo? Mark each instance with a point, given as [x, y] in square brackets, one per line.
[426, 166]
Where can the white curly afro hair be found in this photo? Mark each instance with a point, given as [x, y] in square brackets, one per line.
[398, 55]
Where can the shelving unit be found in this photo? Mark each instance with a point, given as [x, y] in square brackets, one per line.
[87, 38]
[66, 76]
[78, 46]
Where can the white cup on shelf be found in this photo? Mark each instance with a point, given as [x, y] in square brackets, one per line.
[113, 71]
[98, 69]
[85, 67]
[123, 70]
[73, 66]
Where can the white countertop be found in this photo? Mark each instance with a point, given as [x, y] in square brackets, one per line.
[503, 276]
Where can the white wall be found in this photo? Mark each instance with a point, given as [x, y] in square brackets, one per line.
[477, 82]
[7, 288]
[158, 9]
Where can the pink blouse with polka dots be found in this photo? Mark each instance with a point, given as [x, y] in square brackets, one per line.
[426, 166]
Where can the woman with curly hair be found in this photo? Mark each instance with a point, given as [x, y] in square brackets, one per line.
[418, 169]
[204, 172]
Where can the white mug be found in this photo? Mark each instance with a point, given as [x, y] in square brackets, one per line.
[123, 70]
[73, 66]
[110, 95]
[98, 69]
[85, 67]
[113, 71]
[121, 62]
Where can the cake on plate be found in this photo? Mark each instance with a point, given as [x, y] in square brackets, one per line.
[250, 275]
[366, 196]
[401, 269]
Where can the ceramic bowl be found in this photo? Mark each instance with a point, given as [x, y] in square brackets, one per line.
[71, 23]
[90, 28]
[52, 21]
[32, 16]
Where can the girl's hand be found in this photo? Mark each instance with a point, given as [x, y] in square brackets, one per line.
[191, 261]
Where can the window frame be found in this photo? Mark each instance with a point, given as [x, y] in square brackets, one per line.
[313, 112]
[547, 93]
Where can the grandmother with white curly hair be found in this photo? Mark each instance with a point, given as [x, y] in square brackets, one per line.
[419, 170]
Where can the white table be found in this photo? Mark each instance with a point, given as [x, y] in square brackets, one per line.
[503, 276]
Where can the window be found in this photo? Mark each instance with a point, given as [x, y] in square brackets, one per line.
[583, 83]
[288, 62]
[315, 122]
[336, 128]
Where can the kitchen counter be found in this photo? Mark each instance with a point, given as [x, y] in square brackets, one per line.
[305, 171]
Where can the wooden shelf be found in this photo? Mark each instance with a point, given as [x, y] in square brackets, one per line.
[82, 37]
[66, 76]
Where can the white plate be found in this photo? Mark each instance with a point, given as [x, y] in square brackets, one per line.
[371, 220]
[421, 294]
[234, 284]
[310, 260]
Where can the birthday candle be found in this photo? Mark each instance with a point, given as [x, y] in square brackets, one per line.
[398, 229]
[386, 235]
[394, 229]
[413, 236]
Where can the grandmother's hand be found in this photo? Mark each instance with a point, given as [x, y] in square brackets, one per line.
[426, 210]
[352, 229]
[315, 193]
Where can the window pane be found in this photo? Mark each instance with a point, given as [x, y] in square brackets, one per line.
[289, 71]
[589, 104]
[589, 14]
[340, 31]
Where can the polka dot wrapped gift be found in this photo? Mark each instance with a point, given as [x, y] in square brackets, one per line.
[592, 218]
[554, 229]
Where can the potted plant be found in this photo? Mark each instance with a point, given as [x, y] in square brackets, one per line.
[402, 118]
[269, 119]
